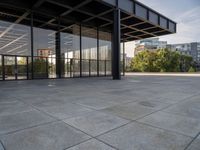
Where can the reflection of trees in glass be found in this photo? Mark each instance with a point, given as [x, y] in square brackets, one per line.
[52, 67]
[40, 68]
[9, 65]
[21, 66]
[21, 60]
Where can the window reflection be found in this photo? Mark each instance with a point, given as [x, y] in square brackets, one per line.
[15, 42]
[89, 51]
[14, 39]
[44, 53]
[70, 51]
[104, 53]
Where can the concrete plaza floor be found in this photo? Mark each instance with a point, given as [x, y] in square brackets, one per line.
[136, 113]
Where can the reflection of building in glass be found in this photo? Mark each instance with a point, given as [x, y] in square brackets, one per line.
[44, 52]
[192, 49]
[150, 44]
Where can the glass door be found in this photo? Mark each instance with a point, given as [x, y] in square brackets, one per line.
[22, 69]
[10, 68]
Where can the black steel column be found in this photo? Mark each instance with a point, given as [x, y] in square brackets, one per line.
[58, 51]
[3, 68]
[16, 69]
[27, 68]
[58, 55]
[124, 67]
[80, 50]
[98, 52]
[116, 39]
[32, 51]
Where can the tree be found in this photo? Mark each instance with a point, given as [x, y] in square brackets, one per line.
[145, 62]
[162, 60]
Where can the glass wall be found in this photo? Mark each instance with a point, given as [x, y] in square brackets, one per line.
[104, 53]
[70, 52]
[89, 51]
[15, 48]
[44, 53]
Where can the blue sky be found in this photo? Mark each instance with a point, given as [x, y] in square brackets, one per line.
[185, 12]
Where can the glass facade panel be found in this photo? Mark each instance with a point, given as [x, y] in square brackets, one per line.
[171, 26]
[29, 68]
[51, 67]
[22, 67]
[89, 51]
[10, 67]
[153, 17]
[104, 53]
[141, 11]
[44, 42]
[163, 22]
[44, 53]
[126, 5]
[40, 67]
[14, 39]
[108, 67]
[70, 52]
[102, 67]
[122, 59]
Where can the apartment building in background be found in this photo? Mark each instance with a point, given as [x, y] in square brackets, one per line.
[192, 49]
[150, 44]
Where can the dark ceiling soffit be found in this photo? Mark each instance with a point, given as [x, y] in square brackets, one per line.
[92, 16]
[130, 15]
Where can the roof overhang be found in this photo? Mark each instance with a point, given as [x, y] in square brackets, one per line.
[137, 20]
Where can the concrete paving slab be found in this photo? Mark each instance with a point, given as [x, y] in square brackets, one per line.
[53, 136]
[91, 145]
[7, 100]
[195, 144]
[172, 97]
[96, 123]
[135, 110]
[13, 108]
[189, 108]
[137, 136]
[181, 124]
[19, 121]
[63, 111]
[69, 98]
[95, 103]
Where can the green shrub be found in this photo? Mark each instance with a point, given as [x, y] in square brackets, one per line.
[191, 69]
[162, 60]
